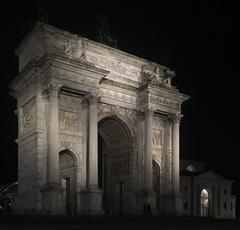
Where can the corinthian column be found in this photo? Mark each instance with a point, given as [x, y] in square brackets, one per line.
[93, 141]
[53, 133]
[175, 153]
[53, 202]
[148, 150]
[150, 198]
[93, 195]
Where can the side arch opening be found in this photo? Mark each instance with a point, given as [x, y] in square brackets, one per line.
[67, 173]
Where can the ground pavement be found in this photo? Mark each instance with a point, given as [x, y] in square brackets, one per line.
[114, 223]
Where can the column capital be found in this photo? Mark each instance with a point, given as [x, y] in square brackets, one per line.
[93, 96]
[50, 90]
[175, 118]
[148, 112]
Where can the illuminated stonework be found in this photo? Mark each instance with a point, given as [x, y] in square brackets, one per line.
[98, 128]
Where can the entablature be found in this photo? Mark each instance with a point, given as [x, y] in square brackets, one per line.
[167, 100]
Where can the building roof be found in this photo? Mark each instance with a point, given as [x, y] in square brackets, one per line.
[206, 175]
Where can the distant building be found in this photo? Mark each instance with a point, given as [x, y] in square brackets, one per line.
[204, 192]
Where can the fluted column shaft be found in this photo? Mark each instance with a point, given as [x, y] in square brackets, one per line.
[175, 153]
[148, 150]
[53, 136]
[93, 142]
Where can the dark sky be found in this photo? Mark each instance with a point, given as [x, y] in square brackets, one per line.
[195, 38]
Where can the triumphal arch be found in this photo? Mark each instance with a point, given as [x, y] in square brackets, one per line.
[98, 128]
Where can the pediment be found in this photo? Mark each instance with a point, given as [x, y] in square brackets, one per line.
[210, 175]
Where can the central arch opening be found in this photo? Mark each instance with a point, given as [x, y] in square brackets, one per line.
[114, 165]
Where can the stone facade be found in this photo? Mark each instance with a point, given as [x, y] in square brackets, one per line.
[205, 193]
[98, 128]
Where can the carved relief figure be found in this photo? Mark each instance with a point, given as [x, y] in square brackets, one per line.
[69, 122]
[157, 138]
[28, 115]
[158, 76]
[74, 50]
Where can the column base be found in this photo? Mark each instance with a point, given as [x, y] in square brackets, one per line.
[172, 204]
[53, 202]
[91, 201]
[149, 202]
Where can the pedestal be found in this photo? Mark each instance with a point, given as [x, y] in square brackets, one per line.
[53, 200]
[91, 202]
[172, 204]
[149, 203]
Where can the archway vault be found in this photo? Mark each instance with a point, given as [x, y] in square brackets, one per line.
[115, 132]
[115, 160]
[118, 115]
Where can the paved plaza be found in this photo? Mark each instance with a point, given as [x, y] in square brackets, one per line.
[91, 223]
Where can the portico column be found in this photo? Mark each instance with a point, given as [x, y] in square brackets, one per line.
[148, 150]
[91, 198]
[93, 142]
[150, 196]
[53, 136]
[175, 153]
[52, 193]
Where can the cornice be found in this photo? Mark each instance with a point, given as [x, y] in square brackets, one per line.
[119, 85]
[166, 92]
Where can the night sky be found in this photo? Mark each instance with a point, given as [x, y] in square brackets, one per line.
[196, 39]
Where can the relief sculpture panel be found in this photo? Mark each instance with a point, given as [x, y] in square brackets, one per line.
[157, 138]
[157, 142]
[70, 123]
[28, 115]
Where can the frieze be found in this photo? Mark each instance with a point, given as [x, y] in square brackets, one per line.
[119, 96]
[119, 85]
[71, 76]
[163, 101]
[69, 122]
[70, 101]
[114, 65]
